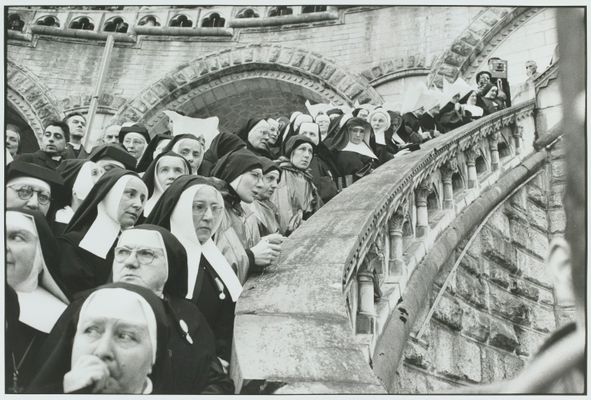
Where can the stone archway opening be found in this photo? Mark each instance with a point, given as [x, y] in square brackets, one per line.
[235, 102]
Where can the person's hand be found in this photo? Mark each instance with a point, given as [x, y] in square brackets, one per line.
[295, 221]
[90, 371]
[436, 133]
[458, 107]
[266, 250]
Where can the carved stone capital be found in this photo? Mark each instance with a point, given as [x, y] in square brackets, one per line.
[395, 223]
[423, 190]
[472, 153]
[493, 141]
[448, 169]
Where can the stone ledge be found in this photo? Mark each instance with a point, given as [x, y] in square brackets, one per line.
[282, 20]
[81, 34]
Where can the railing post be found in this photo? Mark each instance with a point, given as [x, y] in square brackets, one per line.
[366, 314]
[446, 176]
[518, 137]
[396, 267]
[471, 155]
[421, 194]
[493, 142]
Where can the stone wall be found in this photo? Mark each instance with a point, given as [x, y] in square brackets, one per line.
[499, 304]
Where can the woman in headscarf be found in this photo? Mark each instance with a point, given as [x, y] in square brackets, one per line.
[491, 103]
[32, 261]
[221, 145]
[114, 204]
[152, 257]
[112, 340]
[212, 284]
[470, 102]
[79, 178]
[238, 236]
[160, 174]
[321, 167]
[256, 134]
[190, 147]
[351, 149]
[296, 197]
[294, 127]
[155, 147]
[264, 209]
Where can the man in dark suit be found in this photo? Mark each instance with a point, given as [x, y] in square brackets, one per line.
[77, 125]
[52, 145]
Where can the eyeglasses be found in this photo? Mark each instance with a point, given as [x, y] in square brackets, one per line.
[26, 192]
[144, 256]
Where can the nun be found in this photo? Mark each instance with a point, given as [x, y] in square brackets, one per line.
[256, 134]
[490, 100]
[112, 340]
[79, 178]
[190, 147]
[266, 212]
[351, 149]
[161, 173]
[379, 119]
[322, 166]
[114, 204]
[241, 172]
[155, 147]
[221, 145]
[470, 102]
[111, 156]
[212, 284]
[152, 257]
[453, 114]
[294, 126]
[135, 139]
[32, 262]
[323, 122]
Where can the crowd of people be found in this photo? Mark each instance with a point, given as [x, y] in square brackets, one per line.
[125, 261]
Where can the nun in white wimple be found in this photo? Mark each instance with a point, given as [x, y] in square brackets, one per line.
[32, 261]
[212, 283]
[115, 203]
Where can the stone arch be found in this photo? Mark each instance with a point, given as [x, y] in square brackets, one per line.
[477, 42]
[30, 98]
[189, 87]
[395, 68]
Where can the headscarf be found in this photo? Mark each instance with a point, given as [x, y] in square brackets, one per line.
[148, 155]
[135, 128]
[61, 340]
[59, 198]
[223, 144]
[379, 135]
[116, 152]
[94, 226]
[243, 134]
[296, 140]
[155, 190]
[41, 296]
[173, 211]
[293, 128]
[234, 164]
[270, 165]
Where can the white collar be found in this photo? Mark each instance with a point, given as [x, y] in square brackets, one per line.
[40, 309]
[360, 148]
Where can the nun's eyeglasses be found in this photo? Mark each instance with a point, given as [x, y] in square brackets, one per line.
[26, 192]
[144, 256]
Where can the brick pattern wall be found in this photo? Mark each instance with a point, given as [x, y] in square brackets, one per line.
[499, 306]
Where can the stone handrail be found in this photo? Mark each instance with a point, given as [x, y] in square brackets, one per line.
[310, 323]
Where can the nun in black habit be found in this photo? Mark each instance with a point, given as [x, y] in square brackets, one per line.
[190, 147]
[192, 344]
[155, 147]
[221, 145]
[256, 135]
[112, 155]
[212, 284]
[77, 360]
[115, 203]
[32, 260]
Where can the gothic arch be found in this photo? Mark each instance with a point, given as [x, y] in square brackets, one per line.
[31, 99]
[191, 84]
[478, 41]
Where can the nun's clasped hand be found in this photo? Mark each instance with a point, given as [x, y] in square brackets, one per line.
[267, 249]
[88, 371]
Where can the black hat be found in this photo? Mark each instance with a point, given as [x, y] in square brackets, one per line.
[115, 151]
[136, 128]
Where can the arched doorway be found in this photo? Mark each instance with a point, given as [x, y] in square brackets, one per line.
[246, 82]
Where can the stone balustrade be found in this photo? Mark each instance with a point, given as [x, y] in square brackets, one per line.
[311, 322]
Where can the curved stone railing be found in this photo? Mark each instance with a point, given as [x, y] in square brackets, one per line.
[310, 323]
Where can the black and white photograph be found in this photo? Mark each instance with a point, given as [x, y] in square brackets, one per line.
[271, 198]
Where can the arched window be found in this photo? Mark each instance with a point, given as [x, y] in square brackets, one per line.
[15, 23]
[213, 20]
[83, 23]
[279, 11]
[149, 20]
[116, 24]
[312, 9]
[247, 13]
[181, 21]
[49, 20]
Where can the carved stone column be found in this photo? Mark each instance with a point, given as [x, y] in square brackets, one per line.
[518, 137]
[471, 155]
[421, 194]
[366, 312]
[493, 141]
[396, 266]
[447, 172]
